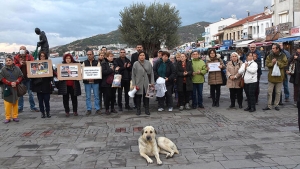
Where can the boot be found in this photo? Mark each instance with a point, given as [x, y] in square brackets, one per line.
[213, 104]
[138, 100]
[43, 115]
[217, 101]
[146, 103]
[247, 109]
[252, 109]
[48, 114]
[232, 105]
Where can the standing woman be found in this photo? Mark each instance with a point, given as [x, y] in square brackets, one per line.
[250, 69]
[10, 76]
[69, 87]
[234, 79]
[101, 60]
[43, 88]
[142, 76]
[184, 82]
[215, 77]
[109, 92]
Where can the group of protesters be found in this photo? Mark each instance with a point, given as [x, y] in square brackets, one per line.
[182, 74]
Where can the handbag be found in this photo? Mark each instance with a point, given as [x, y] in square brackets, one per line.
[292, 67]
[21, 89]
[110, 79]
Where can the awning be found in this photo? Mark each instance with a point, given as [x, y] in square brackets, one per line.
[263, 43]
[288, 39]
[243, 43]
[219, 33]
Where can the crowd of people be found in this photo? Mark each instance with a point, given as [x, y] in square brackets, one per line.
[183, 75]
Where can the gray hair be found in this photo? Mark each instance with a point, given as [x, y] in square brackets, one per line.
[234, 53]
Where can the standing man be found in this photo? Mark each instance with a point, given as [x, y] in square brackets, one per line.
[134, 58]
[91, 84]
[43, 43]
[20, 61]
[286, 80]
[104, 49]
[123, 67]
[277, 56]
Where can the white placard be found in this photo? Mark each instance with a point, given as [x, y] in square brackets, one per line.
[92, 72]
[213, 67]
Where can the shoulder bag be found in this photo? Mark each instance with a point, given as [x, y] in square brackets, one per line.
[21, 88]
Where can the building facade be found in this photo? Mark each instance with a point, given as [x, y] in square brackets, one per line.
[214, 28]
[286, 11]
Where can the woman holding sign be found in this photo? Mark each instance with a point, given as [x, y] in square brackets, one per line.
[214, 66]
[69, 88]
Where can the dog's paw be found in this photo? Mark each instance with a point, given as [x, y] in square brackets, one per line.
[168, 155]
[159, 162]
[150, 161]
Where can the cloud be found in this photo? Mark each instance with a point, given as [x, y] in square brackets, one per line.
[69, 20]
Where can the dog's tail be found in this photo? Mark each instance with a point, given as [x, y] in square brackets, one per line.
[175, 149]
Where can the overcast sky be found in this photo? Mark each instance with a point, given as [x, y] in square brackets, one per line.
[68, 20]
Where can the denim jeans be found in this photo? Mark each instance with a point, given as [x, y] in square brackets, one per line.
[88, 88]
[197, 92]
[286, 87]
[31, 100]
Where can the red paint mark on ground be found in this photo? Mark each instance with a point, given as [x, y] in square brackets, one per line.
[27, 134]
[47, 133]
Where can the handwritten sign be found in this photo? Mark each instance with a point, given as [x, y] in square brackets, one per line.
[213, 67]
[92, 72]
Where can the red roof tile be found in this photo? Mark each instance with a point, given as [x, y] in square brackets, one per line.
[252, 18]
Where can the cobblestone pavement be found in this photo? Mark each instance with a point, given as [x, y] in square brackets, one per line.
[210, 138]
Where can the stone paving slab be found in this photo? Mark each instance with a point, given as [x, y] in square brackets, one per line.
[214, 137]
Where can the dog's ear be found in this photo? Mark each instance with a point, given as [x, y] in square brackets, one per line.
[155, 131]
[142, 131]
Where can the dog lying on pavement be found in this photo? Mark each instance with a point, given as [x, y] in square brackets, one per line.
[149, 145]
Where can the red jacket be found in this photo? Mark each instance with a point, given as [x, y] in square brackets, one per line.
[23, 68]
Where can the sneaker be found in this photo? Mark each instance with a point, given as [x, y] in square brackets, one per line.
[67, 114]
[88, 112]
[170, 108]
[75, 114]
[287, 100]
[187, 106]
[295, 104]
[113, 111]
[6, 121]
[20, 110]
[201, 106]
[181, 108]
[98, 112]
[160, 109]
[35, 109]
[128, 107]
[120, 108]
[16, 120]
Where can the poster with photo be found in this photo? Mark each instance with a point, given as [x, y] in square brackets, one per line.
[39, 68]
[71, 71]
[150, 91]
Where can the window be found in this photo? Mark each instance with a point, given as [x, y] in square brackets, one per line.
[257, 29]
[254, 30]
[227, 36]
[267, 24]
[283, 18]
[281, 0]
[262, 28]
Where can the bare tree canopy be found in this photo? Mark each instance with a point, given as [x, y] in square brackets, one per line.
[148, 25]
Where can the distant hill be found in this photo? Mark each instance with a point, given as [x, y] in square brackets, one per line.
[189, 33]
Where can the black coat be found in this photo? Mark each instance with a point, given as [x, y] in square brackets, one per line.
[44, 85]
[135, 57]
[62, 88]
[180, 76]
[106, 71]
[170, 72]
[124, 71]
[295, 77]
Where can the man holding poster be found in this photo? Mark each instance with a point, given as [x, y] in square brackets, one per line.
[91, 84]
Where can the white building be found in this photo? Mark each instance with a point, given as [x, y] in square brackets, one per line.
[255, 28]
[286, 11]
[214, 28]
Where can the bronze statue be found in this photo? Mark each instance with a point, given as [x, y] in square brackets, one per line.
[43, 43]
